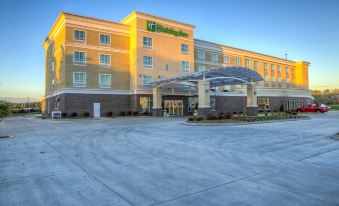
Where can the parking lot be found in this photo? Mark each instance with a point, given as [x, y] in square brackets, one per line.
[155, 161]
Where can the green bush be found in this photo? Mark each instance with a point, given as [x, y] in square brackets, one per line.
[335, 107]
[4, 109]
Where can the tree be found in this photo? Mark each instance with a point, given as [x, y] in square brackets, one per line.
[4, 109]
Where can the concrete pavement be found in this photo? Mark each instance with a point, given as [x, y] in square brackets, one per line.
[154, 161]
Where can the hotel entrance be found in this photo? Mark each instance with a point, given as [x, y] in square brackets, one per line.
[174, 107]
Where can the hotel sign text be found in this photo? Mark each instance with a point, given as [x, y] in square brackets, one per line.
[155, 27]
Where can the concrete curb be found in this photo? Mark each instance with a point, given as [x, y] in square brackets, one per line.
[335, 137]
[245, 123]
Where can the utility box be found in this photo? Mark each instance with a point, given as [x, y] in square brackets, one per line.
[56, 115]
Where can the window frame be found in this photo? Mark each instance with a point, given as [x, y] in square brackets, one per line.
[187, 63]
[213, 106]
[201, 66]
[181, 48]
[104, 44]
[255, 65]
[146, 65]
[146, 46]
[228, 59]
[201, 52]
[77, 64]
[110, 81]
[272, 67]
[85, 80]
[80, 40]
[104, 64]
[237, 61]
[53, 65]
[143, 79]
[247, 61]
[214, 54]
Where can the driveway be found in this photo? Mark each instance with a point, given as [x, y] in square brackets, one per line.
[155, 161]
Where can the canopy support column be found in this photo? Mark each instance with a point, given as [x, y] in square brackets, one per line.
[252, 107]
[157, 102]
[204, 107]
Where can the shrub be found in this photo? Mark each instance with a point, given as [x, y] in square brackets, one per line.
[74, 114]
[109, 114]
[129, 113]
[122, 113]
[190, 119]
[221, 116]
[86, 114]
[228, 115]
[146, 113]
[214, 117]
[200, 119]
[4, 109]
[64, 114]
[135, 113]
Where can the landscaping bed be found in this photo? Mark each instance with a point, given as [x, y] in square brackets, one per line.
[238, 118]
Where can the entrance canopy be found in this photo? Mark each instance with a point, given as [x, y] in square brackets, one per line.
[230, 75]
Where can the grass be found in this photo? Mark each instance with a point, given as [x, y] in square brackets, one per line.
[335, 107]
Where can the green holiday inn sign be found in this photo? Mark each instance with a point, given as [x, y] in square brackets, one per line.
[155, 27]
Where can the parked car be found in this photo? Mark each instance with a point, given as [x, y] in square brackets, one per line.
[312, 108]
[325, 106]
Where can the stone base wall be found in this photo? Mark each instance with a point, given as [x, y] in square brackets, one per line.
[82, 103]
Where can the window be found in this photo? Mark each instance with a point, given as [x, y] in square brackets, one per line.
[104, 80]
[53, 82]
[79, 58]
[185, 66]
[278, 68]
[145, 104]
[286, 70]
[202, 55]
[148, 61]
[263, 103]
[226, 60]
[213, 103]
[266, 78]
[192, 103]
[202, 68]
[265, 67]
[146, 79]
[147, 42]
[287, 80]
[279, 79]
[105, 39]
[79, 35]
[247, 63]
[105, 59]
[214, 57]
[52, 65]
[167, 67]
[255, 65]
[273, 78]
[79, 79]
[237, 61]
[184, 48]
[272, 67]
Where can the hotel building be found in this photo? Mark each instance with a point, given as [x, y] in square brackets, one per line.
[97, 66]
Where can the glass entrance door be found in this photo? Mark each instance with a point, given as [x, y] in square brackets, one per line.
[174, 107]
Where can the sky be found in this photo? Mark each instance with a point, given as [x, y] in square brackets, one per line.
[304, 29]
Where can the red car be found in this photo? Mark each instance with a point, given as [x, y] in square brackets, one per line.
[312, 108]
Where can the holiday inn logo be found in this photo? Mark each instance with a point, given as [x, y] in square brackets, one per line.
[155, 27]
